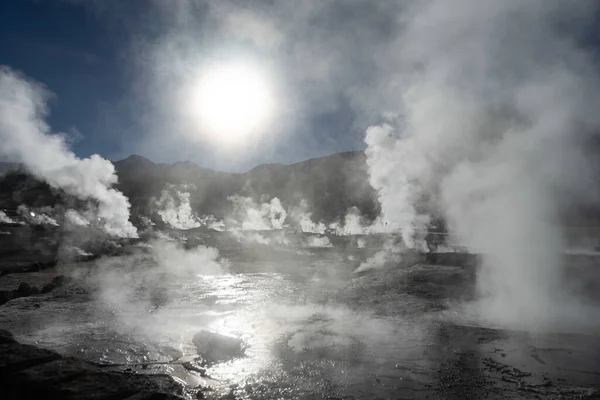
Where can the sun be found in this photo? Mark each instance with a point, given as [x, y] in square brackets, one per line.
[232, 102]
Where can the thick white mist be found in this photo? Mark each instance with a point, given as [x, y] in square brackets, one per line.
[394, 174]
[248, 215]
[174, 208]
[5, 219]
[498, 97]
[25, 137]
[302, 216]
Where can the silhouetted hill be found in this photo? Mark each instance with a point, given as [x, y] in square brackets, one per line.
[18, 188]
[7, 167]
[329, 186]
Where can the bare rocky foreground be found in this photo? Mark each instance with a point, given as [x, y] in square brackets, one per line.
[28, 372]
[444, 359]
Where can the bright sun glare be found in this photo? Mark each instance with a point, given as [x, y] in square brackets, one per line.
[232, 102]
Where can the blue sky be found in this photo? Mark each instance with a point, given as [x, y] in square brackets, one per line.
[100, 60]
[70, 51]
[117, 68]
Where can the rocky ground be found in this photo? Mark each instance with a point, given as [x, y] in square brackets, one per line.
[482, 363]
[458, 361]
[28, 372]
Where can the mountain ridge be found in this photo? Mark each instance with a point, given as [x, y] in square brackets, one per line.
[328, 186]
[146, 160]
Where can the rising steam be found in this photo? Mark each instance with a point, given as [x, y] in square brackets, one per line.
[5, 219]
[499, 98]
[248, 215]
[173, 207]
[26, 138]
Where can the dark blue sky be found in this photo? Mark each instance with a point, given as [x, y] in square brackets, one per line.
[89, 57]
[72, 52]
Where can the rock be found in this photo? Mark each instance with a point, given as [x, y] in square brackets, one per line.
[94, 386]
[215, 347]
[28, 372]
[58, 281]
[15, 357]
[153, 383]
[5, 296]
[454, 259]
[153, 396]
[6, 337]
[47, 288]
[195, 368]
[54, 372]
[26, 289]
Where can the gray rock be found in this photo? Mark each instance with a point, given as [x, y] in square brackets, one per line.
[58, 281]
[26, 289]
[54, 372]
[215, 347]
[6, 296]
[92, 386]
[153, 396]
[6, 337]
[28, 372]
[15, 357]
[47, 288]
[193, 366]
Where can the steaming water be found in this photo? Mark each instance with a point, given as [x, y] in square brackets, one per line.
[313, 328]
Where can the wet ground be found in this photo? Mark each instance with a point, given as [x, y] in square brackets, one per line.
[309, 327]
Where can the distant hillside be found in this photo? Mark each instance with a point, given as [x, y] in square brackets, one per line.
[7, 167]
[329, 185]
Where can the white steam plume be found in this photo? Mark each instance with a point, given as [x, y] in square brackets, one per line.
[394, 174]
[75, 218]
[318, 241]
[40, 216]
[303, 218]
[211, 222]
[25, 137]
[499, 99]
[356, 224]
[248, 215]
[5, 219]
[391, 253]
[131, 286]
[174, 207]
[274, 239]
